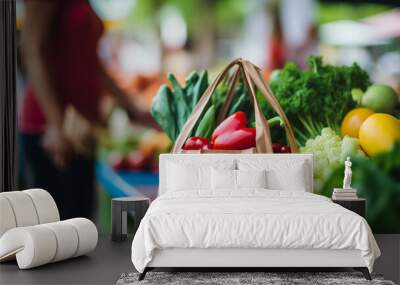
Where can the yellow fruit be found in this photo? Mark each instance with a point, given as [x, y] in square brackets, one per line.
[378, 133]
[353, 121]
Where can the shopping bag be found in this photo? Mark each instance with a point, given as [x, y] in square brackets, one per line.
[253, 80]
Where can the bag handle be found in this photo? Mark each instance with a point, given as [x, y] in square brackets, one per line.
[258, 80]
[229, 97]
[263, 134]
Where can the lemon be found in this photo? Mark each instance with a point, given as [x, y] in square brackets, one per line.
[378, 133]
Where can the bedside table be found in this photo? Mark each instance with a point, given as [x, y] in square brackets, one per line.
[120, 208]
[358, 205]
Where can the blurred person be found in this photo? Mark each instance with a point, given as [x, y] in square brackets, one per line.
[59, 46]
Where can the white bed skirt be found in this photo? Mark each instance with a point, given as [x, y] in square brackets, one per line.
[192, 257]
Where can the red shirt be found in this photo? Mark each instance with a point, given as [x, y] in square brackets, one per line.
[71, 56]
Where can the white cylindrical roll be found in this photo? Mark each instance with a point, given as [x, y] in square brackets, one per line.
[40, 247]
[24, 210]
[10, 243]
[45, 205]
[7, 218]
[34, 246]
[67, 239]
[87, 235]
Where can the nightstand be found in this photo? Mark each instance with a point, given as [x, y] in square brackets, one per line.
[358, 205]
[137, 206]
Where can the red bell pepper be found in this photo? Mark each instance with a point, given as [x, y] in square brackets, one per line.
[234, 122]
[236, 140]
[195, 143]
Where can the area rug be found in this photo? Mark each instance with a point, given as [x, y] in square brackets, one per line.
[243, 278]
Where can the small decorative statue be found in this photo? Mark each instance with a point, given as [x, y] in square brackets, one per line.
[347, 174]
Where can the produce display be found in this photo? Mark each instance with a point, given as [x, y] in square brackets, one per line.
[335, 112]
[340, 98]
[136, 153]
[359, 120]
[318, 97]
[236, 132]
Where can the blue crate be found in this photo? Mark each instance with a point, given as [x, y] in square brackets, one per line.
[124, 183]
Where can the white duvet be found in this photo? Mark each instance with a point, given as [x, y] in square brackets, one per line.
[250, 219]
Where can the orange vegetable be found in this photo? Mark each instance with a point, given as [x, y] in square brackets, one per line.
[353, 121]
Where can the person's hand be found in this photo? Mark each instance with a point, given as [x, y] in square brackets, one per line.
[57, 146]
[80, 132]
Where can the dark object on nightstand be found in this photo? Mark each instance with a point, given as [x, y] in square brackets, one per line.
[120, 208]
[357, 205]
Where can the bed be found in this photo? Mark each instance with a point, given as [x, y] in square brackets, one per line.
[247, 210]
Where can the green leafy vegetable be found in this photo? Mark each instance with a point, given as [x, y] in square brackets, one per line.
[378, 180]
[199, 88]
[190, 84]
[219, 95]
[207, 124]
[318, 97]
[239, 104]
[171, 109]
[241, 101]
[163, 111]
[182, 106]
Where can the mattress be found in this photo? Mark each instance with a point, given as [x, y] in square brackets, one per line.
[250, 219]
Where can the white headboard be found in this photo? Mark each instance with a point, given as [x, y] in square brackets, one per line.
[209, 159]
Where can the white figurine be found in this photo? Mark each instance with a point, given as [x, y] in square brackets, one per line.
[347, 174]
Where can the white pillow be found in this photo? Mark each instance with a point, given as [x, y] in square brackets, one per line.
[293, 179]
[226, 179]
[281, 174]
[223, 179]
[183, 176]
[251, 178]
